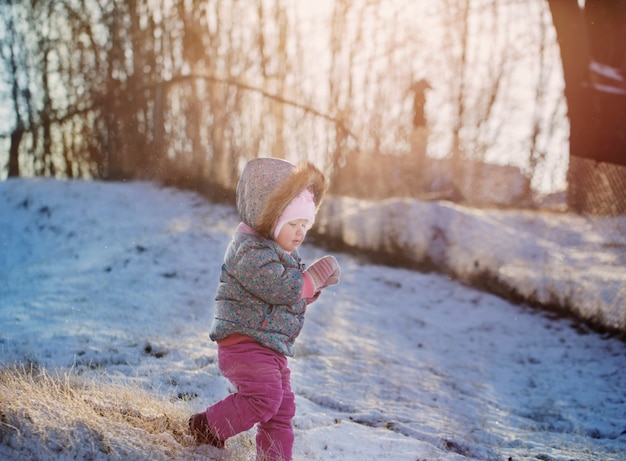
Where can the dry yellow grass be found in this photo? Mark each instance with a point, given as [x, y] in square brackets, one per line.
[59, 415]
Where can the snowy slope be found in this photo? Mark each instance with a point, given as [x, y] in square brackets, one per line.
[392, 364]
[571, 262]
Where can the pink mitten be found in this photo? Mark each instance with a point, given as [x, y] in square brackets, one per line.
[324, 272]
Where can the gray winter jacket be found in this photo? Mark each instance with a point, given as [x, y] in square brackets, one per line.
[260, 283]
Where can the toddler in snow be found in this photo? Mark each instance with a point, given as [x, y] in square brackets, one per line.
[260, 304]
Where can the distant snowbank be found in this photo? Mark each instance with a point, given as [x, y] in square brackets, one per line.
[565, 261]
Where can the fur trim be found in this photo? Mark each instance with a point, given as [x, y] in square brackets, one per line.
[306, 175]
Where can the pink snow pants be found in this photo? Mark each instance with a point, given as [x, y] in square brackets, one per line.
[263, 396]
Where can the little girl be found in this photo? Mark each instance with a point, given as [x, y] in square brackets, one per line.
[260, 305]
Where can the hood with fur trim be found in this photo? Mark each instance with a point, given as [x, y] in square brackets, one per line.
[266, 187]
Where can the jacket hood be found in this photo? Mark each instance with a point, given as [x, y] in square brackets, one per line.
[266, 187]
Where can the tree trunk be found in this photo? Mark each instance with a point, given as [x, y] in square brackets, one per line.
[596, 114]
[14, 164]
[596, 102]
[572, 37]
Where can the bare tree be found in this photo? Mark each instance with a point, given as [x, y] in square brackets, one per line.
[128, 89]
[13, 54]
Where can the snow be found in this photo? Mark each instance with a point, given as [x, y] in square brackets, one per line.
[615, 77]
[569, 261]
[606, 71]
[392, 364]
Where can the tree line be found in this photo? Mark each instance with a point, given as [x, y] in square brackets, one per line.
[190, 90]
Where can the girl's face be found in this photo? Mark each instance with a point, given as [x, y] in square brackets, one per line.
[292, 234]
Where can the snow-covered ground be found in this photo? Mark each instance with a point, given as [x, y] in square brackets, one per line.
[392, 364]
[571, 262]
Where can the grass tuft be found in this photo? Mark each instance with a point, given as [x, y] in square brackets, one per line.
[60, 415]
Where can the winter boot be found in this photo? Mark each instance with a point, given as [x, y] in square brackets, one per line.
[202, 433]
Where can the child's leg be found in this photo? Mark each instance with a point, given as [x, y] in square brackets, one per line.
[255, 371]
[274, 440]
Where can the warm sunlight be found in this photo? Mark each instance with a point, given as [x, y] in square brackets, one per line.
[389, 230]
[318, 80]
[407, 42]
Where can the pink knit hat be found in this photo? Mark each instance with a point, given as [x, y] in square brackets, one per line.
[302, 206]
